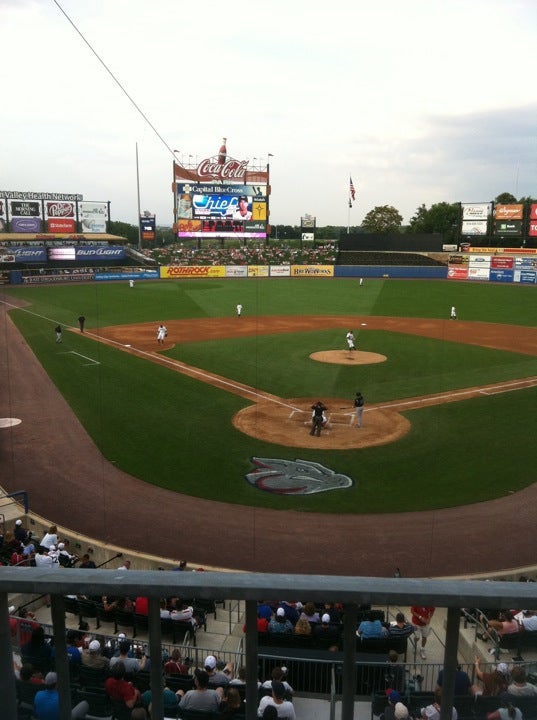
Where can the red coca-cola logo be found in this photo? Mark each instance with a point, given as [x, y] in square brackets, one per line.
[230, 170]
[60, 209]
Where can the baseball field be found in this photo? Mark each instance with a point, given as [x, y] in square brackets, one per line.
[450, 404]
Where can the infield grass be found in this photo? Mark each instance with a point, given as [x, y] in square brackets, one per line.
[174, 431]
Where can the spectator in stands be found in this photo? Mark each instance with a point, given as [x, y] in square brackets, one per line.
[92, 657]
[505, 625]
[29, 675]
[29, 550]
[371, 629]
[20, 533]
[302, 627]
[291, 611]
[170, 701]
[47, 701]
[202, 697]
[400, 628]
[519, 684]
[463, 684]
[10, 541]
[335, 613]
[393, 698]
[279, 624]
[264, 610]
[231, 704]
[326, 631]
[279, 675]
[73, 651]
[42, 558]
[395, 672]
[421, 617]
[528, 620]
[432, 711]
[217, 676]
[117, 688]
[37, 649]
[241, 678]
[86, 563]
[132, 664]
[310, 613]
[65, 559]
[277, 698]
[141, 605]
[507, 712]
[50, 538]
[175, 666]
[18, 558]
[494, 683]
[185, 614]
[270, 713]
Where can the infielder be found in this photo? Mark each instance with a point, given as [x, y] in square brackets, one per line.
[350, 340]
[161, 334]
[359, 405]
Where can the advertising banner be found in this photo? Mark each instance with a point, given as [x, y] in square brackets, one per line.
[312, 270]
[93, 217]
[26, 224]
[533, 228]
[258, 270]
[474, 227]
[479, 211]
[499, 275]
[61, 225]
[236, 271]
[478, 273]
[280, 271]
[105, 252]
[509, 212]
[533, 211]
[3, 219]
[513, 227]
[527, 277]
[60, 210]
[457, 272]
[308, 237]
[479, 260]
[148, 226]
[23, 254]
[192, 271]
[529, 263]
[502, 262]
[22, 208]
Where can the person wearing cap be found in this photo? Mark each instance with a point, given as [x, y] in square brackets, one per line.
[202, 697]
[279, 624]
[392, 697]
[277, 698]
[47, 702]
[241, 212]
[64, 556]
[20, 533]
[326, 630]
[494, 683]
[217, 676]
[93, 658]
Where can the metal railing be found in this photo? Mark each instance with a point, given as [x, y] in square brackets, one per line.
[248, 587]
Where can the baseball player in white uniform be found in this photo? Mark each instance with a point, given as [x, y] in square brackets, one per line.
[161, 334]
[350, 340]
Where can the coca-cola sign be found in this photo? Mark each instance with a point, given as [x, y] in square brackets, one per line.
[230, 170]
[60, 209]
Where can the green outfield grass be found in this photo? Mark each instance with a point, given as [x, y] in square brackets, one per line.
[174, 431]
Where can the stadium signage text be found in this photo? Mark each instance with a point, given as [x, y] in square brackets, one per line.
[232, 169]
[16, 195]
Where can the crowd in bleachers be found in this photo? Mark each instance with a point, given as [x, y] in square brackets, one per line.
[180, 253]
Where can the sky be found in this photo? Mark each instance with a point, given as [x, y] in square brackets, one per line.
[419, 101]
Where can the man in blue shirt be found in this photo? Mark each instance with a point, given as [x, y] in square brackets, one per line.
[47, 702]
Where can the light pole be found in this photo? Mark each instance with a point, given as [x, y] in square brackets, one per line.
[138, 194]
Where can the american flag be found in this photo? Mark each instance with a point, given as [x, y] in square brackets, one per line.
[351, 189]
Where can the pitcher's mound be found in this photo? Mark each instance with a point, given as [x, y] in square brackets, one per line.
[348, 357]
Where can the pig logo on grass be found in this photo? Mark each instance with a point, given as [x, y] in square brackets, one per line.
[295, 477]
